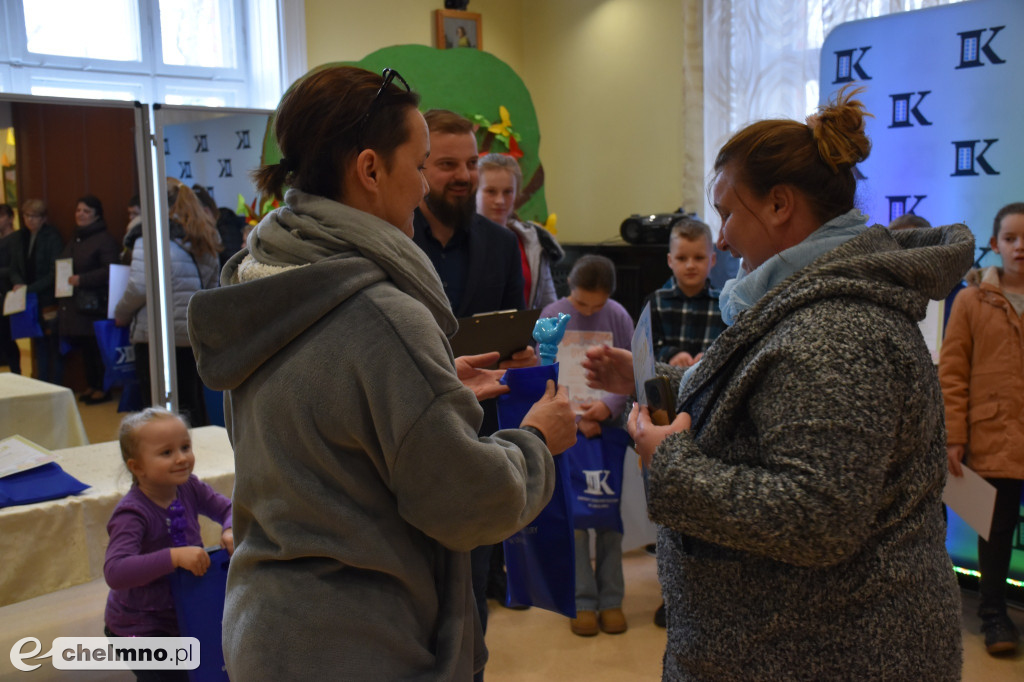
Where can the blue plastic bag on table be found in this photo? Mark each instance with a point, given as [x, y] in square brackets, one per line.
[199, 604]
[595, 467]
[25, 325]
[541, 558]
[42, 483]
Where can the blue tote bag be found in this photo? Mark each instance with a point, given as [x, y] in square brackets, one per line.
[117, 352]
[199, 605]
[25, 325]
[595, 467]
[541, 558]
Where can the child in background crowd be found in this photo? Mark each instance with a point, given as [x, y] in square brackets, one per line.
[685, 318]
[501, 183]
[981, 368]
[908, 221]
[155, 528]
[599, 590]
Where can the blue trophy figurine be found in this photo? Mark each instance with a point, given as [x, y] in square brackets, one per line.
[527, 384]
[548, 333]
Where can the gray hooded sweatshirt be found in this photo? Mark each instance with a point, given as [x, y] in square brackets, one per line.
[360, 481]
[802, 532]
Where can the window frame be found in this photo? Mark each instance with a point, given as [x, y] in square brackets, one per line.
[20, 54]
[236, 73]
[254, 81]
[24, 80]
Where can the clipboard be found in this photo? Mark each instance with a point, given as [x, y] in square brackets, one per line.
[505, 331]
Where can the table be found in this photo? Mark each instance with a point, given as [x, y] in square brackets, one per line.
[44, 413]
[52, 545]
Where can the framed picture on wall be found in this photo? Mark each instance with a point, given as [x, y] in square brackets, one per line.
[458, 29]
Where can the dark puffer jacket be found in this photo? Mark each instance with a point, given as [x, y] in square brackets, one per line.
[92, 249]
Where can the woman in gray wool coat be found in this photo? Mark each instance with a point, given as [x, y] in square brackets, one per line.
[798, 492]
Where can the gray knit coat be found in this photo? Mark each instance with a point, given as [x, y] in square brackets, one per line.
[802, 532]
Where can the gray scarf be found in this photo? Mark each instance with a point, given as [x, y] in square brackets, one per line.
[310, 228]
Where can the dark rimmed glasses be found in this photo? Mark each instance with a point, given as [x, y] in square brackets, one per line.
[389, 76]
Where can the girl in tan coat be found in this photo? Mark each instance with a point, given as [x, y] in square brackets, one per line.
[981, 368]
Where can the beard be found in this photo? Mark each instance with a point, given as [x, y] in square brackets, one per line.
[455, 213]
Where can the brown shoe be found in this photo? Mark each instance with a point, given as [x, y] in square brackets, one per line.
[584, 624]
[613, 621]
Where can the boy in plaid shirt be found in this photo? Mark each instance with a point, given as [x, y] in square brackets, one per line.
[685, 317]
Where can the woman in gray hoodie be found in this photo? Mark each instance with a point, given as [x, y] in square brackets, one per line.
[360, 481]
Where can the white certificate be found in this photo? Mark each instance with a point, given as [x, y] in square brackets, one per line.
[973, 499]
[572, 350]
[19, 454]
[118, 283]
[61, 288]
[931, 327]
[643, 353]
[14, 301]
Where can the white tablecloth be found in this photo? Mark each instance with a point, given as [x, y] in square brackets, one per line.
[52, 545]
[44, 413]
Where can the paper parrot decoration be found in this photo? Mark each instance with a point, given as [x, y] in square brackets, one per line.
[249, 212]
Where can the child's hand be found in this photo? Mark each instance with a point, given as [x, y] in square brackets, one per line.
[955, 455]
[193, 559]
[589, 427]
[596, 411]
[593, 414]
[610, 369]
[227, 541]
[682, 359]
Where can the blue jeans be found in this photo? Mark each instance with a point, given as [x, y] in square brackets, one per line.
[600, 587]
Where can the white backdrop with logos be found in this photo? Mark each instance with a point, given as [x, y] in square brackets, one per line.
[946, 87]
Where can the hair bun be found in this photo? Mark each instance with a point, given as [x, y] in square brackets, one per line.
[838, 130]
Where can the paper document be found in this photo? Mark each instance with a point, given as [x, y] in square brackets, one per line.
[20, 454]
[64, 269]
[973, 499]
[118, 283]
[931, 327]
[571, 352]
[643, 353]
[14, 301]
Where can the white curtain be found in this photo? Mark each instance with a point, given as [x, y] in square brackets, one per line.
[761, 60]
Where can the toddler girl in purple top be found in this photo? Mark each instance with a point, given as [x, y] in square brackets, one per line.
[155, 527]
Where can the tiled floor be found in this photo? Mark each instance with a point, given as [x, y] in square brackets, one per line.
[526, 646]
